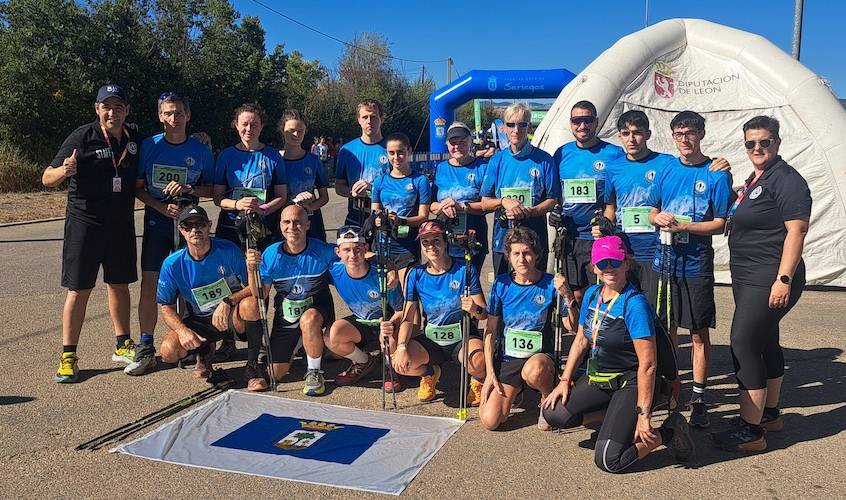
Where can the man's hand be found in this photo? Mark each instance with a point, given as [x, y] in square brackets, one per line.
[303, 198]
[514, 209]
[401, 361]
[359, 189]
[665, 219]
[189, 340]
[220, 318]
[171, 210]
[253, 259]
[249, 203]
[69, 165]
[174, 188]
[720, 165]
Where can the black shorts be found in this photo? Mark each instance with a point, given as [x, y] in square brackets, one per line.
[229, 233]
[509, 370]
[87, 246]
[579, 270]
[691, 301]
[202, 326]
[643, 277]
[316, 228]
[157, 242]
[440, 354]
[369, 333]
[285, 336]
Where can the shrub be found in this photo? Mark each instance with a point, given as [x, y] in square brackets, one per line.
[18, 173]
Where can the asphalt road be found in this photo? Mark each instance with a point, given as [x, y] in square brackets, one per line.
[41, 422]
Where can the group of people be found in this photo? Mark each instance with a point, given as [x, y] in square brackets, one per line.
[634, 226]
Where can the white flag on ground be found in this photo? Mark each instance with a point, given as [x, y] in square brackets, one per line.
[299, 441]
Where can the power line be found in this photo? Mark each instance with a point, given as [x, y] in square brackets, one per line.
[348, 44]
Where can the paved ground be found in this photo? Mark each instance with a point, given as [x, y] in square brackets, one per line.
[41, 422]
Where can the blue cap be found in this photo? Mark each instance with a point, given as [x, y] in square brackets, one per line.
[111, 90]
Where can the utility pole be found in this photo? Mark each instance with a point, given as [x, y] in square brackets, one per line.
[646, 14]
[449, 69]
[422, 74]
[797, 28]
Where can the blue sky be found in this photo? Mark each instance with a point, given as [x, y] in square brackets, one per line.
[538, 34]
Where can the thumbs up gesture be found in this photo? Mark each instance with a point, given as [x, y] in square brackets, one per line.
[69, 165]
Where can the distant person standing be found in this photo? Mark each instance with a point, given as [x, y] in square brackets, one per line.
[100, 162]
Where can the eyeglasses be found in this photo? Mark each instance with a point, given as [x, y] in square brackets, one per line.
[690, 134]
[582, 120]
[517, 124]
[606, 263]
[765, 143]
[188, 226]
[627, 133]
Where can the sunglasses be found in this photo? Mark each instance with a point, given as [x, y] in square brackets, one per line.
[582, 120]
[347, 233]
[606, 263]
[517, 124]
[187, 225]
[765, 143]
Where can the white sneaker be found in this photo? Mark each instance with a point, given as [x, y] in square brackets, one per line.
[145, 360]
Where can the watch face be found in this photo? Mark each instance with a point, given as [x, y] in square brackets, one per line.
[784, 278]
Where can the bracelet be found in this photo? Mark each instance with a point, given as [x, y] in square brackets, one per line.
[401, 346]
[568, 380]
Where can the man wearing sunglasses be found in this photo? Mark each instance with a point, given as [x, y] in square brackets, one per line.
[521, 183]
[172, 165]
[581, 167]
[210, 275]
[692, 202]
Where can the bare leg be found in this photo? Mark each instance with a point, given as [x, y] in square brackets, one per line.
[148, 312]
[752, 405]
[73, 315]
[119, 305]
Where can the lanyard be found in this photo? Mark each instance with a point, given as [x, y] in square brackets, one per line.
[115, 163]
[597, 323]
[742, 193]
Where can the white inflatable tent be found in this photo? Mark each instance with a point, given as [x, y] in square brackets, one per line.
[728, 76]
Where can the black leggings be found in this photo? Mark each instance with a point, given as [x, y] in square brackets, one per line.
[614, 450]
[755, 347]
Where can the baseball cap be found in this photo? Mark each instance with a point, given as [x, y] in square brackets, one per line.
[111, 90]
[192, 212]
[458, 129]
[431, 227]
[350, 234]
[607, 247]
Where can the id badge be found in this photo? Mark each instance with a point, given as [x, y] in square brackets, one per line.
[402, 231]
[116, 184]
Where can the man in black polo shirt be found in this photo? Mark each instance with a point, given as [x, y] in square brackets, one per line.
[100, 162]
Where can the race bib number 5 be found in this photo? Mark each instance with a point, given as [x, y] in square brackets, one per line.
[580, 190]
[293, 309]
[522, 343]
[209, 296]
[521, 194]
[165, 174]
[444, 334]
[636, 220]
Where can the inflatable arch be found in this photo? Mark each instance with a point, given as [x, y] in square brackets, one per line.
[728, 76]
[482, 84]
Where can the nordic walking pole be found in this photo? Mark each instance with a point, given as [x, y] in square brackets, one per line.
[465, 336]
[666, 244]
[558, 249]
[382, 270]
[252, 244]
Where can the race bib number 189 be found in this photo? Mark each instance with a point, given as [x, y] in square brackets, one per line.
[211, 295]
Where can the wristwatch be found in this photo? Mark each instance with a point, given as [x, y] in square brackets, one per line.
[642, 411]
[785, 279]
[228, 302]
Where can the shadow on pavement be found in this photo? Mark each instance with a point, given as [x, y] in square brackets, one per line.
[87, 373]
[15, 400]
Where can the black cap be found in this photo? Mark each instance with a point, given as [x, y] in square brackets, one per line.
[111, 90]
[458, 129]
[193, 212]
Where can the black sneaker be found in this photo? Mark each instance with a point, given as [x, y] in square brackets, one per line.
[742, 437]
[681, 443]
[187, 362]
[226, 351]
[699, 415]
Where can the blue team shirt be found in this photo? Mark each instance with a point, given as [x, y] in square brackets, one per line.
[403, 195]
[573, 162]
[181, 276]
[464, 185]
[362, 295]
[439, 295]
[360, 161]
[530, 168]
[629, 183]
[693, 191]
[524, 307]
[631, 318]
[300, 276]
[262, 169]
[305, 175]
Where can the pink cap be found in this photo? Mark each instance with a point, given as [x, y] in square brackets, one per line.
[608, 247]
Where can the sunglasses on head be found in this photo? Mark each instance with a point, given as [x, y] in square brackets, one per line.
[188, 225]
[606, 263]
[765, 143]
[172, 96]
[347, 233]
[517, 124]
[582, 120]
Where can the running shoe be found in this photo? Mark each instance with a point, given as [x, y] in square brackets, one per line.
[254, 378]
[68, 369]
[742, 437]
[699, 415]
[356, 372]
[426, 391]
[768, 423]
[203, 367]
[542, 423]
[125, 353]
[475, 396]
[145, 360]
[226, 351]
[395, 386]
[314, 383]
[681, 443]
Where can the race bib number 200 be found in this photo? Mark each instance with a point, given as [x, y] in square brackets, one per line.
[165, 174]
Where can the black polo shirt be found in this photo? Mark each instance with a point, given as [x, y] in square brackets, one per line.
[757, 232]
[91, 197]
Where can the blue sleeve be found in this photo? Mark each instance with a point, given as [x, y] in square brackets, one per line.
[375, 191]
[586, 302]
[721, 195]
[341, 170]
[551, 180]
[220, 169]
[475, 284]
[411, 286]
[489, 184]
[207, 172]
[495, 302]
[266, 265]
[639, 317]
[424, 191]
[329, 254]
[166, 290]
[320, 180]
[610, 190]
[280, 174]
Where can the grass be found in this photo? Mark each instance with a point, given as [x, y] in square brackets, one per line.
[18, 173]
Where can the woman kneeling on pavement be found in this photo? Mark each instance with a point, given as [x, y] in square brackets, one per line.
[434, 304]
[617, 331]
[520, 320]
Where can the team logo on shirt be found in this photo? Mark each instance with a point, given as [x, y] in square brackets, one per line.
[650, 176]
[307, 170]
[471, 177]
[539, 299]
[297, 289]
[190, 161]
[599, 165]
[373, 294]
[409, 187]
[221, 270]
[383, 159]
[699, 186]
[756, 193]
[132, 147]
[534, 172]
[454, 284]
